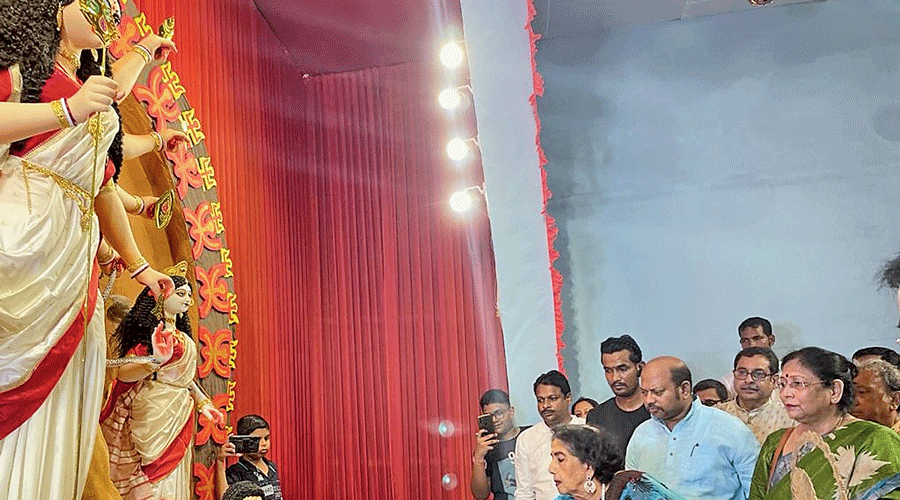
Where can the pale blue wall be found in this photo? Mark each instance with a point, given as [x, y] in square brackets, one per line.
[708, 170]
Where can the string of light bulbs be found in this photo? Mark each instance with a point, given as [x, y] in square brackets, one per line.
[455, 99]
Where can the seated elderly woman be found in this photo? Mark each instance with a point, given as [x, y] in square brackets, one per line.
[587, 465]
[829, 454]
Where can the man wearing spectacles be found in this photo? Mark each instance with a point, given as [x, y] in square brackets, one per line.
[532, 458]
[493, 470]
[756, 402]
[752, 332]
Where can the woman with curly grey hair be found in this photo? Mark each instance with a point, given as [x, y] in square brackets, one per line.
[587, 464]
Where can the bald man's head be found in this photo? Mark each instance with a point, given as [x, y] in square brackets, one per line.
[666, 386]
[679, 373]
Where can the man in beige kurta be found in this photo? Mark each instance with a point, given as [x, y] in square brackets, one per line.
[756, 403]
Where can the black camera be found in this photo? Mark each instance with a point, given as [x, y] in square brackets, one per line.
[245, 444]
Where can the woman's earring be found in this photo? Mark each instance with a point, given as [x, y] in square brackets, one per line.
[59, 18]
[590, 486]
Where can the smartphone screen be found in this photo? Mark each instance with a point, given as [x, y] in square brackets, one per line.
[486, 422]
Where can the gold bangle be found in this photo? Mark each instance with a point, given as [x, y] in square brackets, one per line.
[144, 52]
[157, 141]
[203, 403]
[107, 257]
[140, 261]
[109, 186]
[139, 209]
[57, 107]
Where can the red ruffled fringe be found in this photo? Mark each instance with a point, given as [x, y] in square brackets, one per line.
[552, 229]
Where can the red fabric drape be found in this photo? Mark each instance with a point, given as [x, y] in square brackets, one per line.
[367, 311]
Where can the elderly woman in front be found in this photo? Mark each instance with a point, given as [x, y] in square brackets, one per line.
[829, 454]
[587, 464]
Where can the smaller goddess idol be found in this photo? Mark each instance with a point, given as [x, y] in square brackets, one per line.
[148, 421]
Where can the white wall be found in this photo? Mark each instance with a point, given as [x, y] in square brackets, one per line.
[709, 170]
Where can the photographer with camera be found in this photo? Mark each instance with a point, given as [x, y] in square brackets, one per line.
[251, 445]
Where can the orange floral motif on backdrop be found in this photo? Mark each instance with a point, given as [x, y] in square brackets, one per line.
[206, 481]
[157, 95]
[215, 352]
[129, 34]
[213, 289]
[202, 230]
[208, 429]
[186, 170]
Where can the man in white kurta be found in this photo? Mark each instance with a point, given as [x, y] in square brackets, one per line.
[532, 457]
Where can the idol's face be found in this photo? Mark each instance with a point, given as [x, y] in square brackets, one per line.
[179, 301]
[86, 23]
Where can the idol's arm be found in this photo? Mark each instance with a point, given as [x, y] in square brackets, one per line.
[127, 69]
[137, 145]
[117, 231]
[22, 120]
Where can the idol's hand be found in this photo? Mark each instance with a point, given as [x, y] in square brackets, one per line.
[157, 282]
[117, 264]
[212, 414]
[163, 343]
[158, 46]
[95, 96]
[149, 206]
[172, 139]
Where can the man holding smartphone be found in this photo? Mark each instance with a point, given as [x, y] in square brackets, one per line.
[493, 470]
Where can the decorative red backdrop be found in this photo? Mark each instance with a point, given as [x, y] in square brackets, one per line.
[367, 311]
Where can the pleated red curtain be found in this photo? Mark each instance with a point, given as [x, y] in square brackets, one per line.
[368, 324]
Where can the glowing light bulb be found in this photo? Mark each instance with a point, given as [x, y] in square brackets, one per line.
[460, 201]
[449, 98]
[451, 55]
[457, 149]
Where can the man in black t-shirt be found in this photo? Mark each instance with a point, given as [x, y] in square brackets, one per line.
[621, 414]
[493, 470]
[253, 467]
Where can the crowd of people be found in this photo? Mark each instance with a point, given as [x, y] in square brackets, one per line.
[811, 425]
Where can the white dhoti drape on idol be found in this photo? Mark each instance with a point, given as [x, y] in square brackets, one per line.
[46, 259]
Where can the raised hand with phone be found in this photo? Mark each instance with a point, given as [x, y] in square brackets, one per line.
[493, 470]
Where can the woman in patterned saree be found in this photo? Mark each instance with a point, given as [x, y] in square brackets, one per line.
[587, 464]
[55, 198]
[829, 454]
[148, 421]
